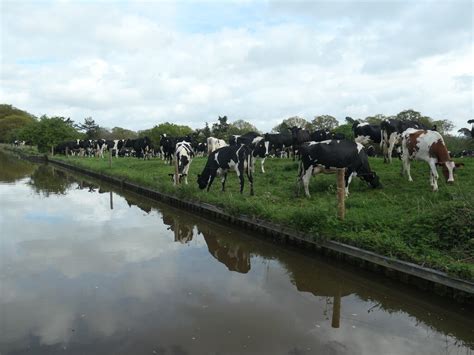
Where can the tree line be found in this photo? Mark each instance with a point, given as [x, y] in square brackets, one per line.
[46, 132]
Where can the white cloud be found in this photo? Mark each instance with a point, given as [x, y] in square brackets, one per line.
[136, 64]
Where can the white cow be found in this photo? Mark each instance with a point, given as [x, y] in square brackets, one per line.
[214, 144]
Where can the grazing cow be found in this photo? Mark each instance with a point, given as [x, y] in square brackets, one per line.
[259, 147]
[391, 132]
[325, 156]
[365, 133]
[214, 144]
[300, 136]
[428, 146]
[183, 154]
[220, 161]
[279, 142]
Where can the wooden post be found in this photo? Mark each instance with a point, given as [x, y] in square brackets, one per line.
[67, 151]
[176, 171]
[111, 201]
[52, 150]
[110, 158]
[336, 310]
[341, 194]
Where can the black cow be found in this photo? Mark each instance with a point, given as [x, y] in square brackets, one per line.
[365, 133]
[317, 157]
[300, 136]
[391, 132]
[221, 160]
[247, 138]
[141, 146]
[320, 135]
[167, 147]
[233, 139]
[279, 142]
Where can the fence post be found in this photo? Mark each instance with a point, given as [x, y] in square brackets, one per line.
[111, 201]
[110, 158]
[52, 150]
[341, 194]
[67, 151]
[336, 310]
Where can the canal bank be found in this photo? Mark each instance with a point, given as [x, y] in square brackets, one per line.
[424, 278]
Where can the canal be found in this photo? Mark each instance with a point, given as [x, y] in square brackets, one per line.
[88, 269]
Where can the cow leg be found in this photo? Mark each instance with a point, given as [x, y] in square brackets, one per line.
[224, 178]
[305, 178]
[391, 144]
[262, 165]
[250, 177]
[433, 175]
[348, 178]
[211, 179]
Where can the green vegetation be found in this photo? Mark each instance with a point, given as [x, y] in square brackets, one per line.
[403, 220]
[11, 121]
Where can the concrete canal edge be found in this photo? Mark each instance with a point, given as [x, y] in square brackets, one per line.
[406, 272]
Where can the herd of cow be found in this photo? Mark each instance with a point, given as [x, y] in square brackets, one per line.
[320, 151]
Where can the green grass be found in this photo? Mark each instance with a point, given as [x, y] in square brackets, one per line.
[403, 220]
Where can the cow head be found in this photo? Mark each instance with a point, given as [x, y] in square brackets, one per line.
[448, 168]
[261, 147]
[372, 179]
[202, 182]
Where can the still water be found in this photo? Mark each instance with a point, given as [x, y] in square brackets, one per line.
[87, 269]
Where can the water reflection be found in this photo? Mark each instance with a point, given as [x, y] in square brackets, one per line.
[96, 270]
[12, 169]
[48, 180]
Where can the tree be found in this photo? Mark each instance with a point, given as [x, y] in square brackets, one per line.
[240, 127]
[409, 115]
[170, 129]
[48, 132]
[123, 133]
[90, 128]
[11, 121]
[324, 122]
[206, 131]
[220, 129]
[376, 119]
[292, 122]
[345, 129]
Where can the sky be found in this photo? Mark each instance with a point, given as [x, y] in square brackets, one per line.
[136, 64]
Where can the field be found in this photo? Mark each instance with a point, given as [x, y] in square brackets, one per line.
[402, 220]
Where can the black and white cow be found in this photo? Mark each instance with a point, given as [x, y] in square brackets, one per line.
[183, 154]
[221, 160]
[99, 147]
[391, 133]
[200, 149]
[326, 156]
[115, 146]
[142, 147]
[365, 133]
[279, 142]
[233, 139]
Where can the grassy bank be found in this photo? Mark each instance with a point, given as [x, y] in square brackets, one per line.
[403, 220]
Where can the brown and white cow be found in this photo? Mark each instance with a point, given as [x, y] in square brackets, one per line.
[428, 146]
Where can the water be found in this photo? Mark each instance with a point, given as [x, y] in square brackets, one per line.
[87, 269]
